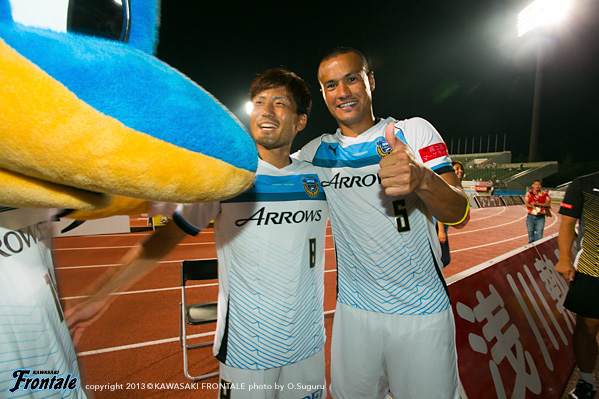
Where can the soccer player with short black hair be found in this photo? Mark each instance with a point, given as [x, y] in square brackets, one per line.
[270, 244]
[385, 180]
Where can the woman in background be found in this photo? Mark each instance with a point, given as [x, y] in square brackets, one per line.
[442, 228]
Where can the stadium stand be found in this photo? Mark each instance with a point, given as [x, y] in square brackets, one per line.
[497, 167]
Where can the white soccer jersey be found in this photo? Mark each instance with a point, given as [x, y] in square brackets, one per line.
[386, 246]
[33, 333]
[270, 246]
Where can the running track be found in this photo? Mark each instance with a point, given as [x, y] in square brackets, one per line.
[135, 342]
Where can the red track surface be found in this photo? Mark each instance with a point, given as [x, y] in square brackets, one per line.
[135, 343]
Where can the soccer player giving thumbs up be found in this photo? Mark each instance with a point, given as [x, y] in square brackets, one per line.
[393, 311]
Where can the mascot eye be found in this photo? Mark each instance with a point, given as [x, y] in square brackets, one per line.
[105, 18]
[109, 19]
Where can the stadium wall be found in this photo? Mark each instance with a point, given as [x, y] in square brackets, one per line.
[514, 337]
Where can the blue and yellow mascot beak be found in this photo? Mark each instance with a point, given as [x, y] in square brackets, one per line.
[88, 113]
[87, 116]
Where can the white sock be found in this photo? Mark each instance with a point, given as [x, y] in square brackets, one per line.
[587, 377]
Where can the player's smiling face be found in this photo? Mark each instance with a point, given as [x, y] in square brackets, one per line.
[274, 121]
[347, 89]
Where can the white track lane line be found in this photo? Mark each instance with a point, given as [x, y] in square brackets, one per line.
[118, 264]
[146, 233]
[503, 209]
[458, 232]
[126, 246]
[131, 246]
[488, 245]
[156, 342]
[111, 265]
[66, 298]
[500, 242]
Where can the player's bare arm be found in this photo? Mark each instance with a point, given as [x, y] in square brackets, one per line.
[441, 232]
[402, 174]
[136, 263]
[566, 237]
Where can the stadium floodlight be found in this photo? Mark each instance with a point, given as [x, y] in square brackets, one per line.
[248, 107]
[542, 12]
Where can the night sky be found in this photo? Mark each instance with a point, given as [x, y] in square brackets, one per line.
[458, 64]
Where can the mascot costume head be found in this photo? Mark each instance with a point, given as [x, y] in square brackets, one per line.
[90, 120]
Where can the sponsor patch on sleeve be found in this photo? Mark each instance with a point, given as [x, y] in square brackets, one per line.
[567, 206]
[433, 152]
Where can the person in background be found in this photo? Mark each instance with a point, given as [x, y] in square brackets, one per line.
[582, 203]
[442, 229]
[538, 203]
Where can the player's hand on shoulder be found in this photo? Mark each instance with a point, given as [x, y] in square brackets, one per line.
[400, 172]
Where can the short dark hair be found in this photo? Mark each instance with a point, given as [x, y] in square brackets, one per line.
[337, 51]
[537, 180]
[280, 77]
[454, 163]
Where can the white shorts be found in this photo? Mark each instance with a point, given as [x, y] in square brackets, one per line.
[301, 380]
[373, 353]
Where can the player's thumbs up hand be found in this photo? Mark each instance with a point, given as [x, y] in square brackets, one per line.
[400, 172]
[393, 141]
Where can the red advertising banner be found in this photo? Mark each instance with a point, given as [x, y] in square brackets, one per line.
[488, 201]
[512, 200]
[485, 183]
[514, 337]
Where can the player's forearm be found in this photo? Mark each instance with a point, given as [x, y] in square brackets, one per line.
[137, 262]
[450, 207]
[122, 279]
[444, 198]
[566, 237]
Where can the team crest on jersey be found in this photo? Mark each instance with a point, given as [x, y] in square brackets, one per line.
[383, 148]
[311, 186]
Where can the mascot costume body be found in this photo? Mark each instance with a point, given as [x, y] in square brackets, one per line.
[90, 120]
